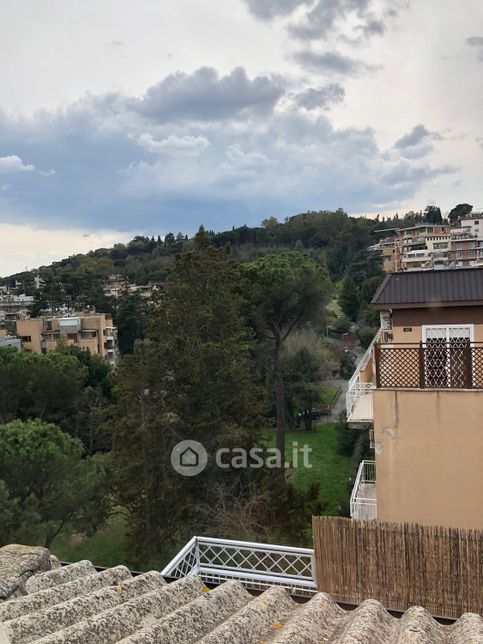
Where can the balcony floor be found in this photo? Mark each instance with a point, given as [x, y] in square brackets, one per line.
[362, 411]
[365, 509]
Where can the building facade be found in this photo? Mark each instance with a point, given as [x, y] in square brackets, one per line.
[433, 246]
[419, 390]
[89, 331]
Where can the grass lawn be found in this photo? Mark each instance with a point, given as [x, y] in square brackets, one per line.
[329, 469]
[330, 395]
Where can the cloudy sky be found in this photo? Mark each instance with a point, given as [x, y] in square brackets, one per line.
[119, 118]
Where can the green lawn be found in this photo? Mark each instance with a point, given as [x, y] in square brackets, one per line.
[329, 469]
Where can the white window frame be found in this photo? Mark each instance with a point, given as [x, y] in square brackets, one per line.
[471, 328]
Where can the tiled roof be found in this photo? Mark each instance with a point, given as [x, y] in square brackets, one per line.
[453, 286]
[78, 605]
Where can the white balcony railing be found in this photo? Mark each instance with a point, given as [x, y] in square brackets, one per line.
[358, 399]
[363, 498]
[256, 565]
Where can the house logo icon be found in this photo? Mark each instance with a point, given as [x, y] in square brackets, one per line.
[189, 458]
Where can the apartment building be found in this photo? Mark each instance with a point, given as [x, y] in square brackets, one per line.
[92, 331]
[412, 248]
[115, 285]
[433, 246]
[419, 390]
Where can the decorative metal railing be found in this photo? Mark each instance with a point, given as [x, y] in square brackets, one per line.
[421, 365]
[363, 503]
[256, 565]
[358, 399]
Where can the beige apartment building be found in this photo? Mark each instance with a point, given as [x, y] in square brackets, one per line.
[92, 331]
[419, 389]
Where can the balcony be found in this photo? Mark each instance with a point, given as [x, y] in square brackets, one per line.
[359, 391]
[363, 504]
[256, 565]
[433, 365]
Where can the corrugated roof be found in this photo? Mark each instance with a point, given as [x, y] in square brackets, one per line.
[453, 286]
[76, 604]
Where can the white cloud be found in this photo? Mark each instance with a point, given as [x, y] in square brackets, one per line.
[13, 163]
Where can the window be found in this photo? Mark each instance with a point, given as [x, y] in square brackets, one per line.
[447, 356]
[26, 338]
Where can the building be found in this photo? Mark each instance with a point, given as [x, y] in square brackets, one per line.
[433, 246]
[419, 389]
[93, 331]
[9, 341]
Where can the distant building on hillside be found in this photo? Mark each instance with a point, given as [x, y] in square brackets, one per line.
[93, 331]
[433, 246]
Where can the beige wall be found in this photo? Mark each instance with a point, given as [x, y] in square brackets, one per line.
[429, 457]
[33, 328]
[415, 318]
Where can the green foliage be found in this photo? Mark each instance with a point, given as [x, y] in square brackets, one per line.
[40, 386]
[130, 319]
[47, 484]
[458, 212]
[305, 368]
[190, 380]
[346, 437]
[349, 298]
[366, 335]
[432, 215]
[282, 292]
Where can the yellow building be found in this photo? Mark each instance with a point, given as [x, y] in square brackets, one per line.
[92, 331]
[419, 389]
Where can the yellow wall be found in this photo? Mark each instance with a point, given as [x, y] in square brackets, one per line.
[429, 457]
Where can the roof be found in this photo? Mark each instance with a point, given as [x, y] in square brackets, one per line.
[77, 604]
[452, 287]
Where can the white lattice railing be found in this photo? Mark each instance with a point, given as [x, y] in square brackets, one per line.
[363, 502]
[256, 565]
[358, 399]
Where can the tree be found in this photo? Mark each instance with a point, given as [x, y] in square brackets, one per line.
[47, 483]
[189, 380]
[432, 214]
[459, 212]
[305, 368]
[130, 320]
[349, 298]
[40, 386]
[283, 292]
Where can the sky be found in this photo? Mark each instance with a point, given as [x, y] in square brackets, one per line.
[121, 118]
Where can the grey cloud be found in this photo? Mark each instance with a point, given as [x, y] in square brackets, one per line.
[332, 62]
[477, 43]
[267, 9]
[204, 95]
[118, 171]
[321, 97]
[417, 135]
[321, 19]
[373, 27]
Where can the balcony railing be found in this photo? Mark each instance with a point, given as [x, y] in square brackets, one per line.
[256, 565]
[358, 398]
[429, 365]
[363, 504]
